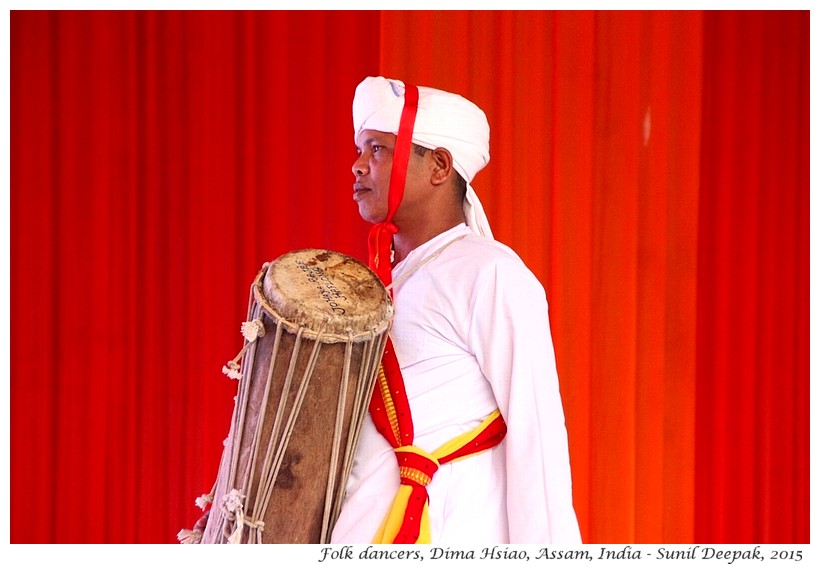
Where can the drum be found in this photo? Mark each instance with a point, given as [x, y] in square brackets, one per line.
[316, 330]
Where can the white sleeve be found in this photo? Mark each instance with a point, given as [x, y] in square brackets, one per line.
[510, 336]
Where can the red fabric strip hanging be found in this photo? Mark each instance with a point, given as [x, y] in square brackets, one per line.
[380, 239]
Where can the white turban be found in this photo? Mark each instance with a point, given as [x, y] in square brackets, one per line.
[443, 120]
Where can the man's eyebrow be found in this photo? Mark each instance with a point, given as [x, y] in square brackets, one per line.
[366, 142]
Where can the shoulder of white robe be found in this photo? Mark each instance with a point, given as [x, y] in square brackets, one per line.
[474, 213]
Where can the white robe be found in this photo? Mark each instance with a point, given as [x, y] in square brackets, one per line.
[471, 333]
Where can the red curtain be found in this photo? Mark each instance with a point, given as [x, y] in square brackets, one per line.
[650, 167]
[752, 463]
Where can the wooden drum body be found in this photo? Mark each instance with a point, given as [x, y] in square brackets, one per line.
[316, 330]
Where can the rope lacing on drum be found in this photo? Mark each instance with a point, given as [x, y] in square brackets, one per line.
[233, 508]
[251, 330]
[229, 522]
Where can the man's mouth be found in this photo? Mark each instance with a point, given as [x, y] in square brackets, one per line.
[359, 191]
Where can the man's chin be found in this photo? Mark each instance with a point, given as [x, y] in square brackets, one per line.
[371, 217]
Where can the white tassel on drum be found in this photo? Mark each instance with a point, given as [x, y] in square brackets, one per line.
[204, 500]
[231, 370]
[251, 330]
[232, 507]
[187, 536]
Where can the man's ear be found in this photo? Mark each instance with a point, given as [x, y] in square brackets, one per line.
[442, 165]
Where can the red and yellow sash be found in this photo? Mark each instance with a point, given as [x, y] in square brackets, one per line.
[407, 521]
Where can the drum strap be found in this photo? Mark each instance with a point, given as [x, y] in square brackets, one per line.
[407, 522]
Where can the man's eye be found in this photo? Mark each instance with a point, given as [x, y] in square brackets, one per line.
[377, 148]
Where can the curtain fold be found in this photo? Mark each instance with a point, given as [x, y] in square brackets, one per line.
[652, 169]
[752, 407]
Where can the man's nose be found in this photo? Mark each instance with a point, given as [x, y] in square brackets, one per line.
[360, 166]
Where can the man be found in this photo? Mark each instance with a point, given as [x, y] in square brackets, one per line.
[470, 343]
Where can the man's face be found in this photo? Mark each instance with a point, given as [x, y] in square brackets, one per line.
[372, 172]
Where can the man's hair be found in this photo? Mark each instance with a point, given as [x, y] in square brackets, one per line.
[461, 184]
[419, 150]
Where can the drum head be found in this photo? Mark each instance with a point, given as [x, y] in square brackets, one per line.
[325, 292]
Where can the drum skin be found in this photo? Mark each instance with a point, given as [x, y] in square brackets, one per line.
[313, 303]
